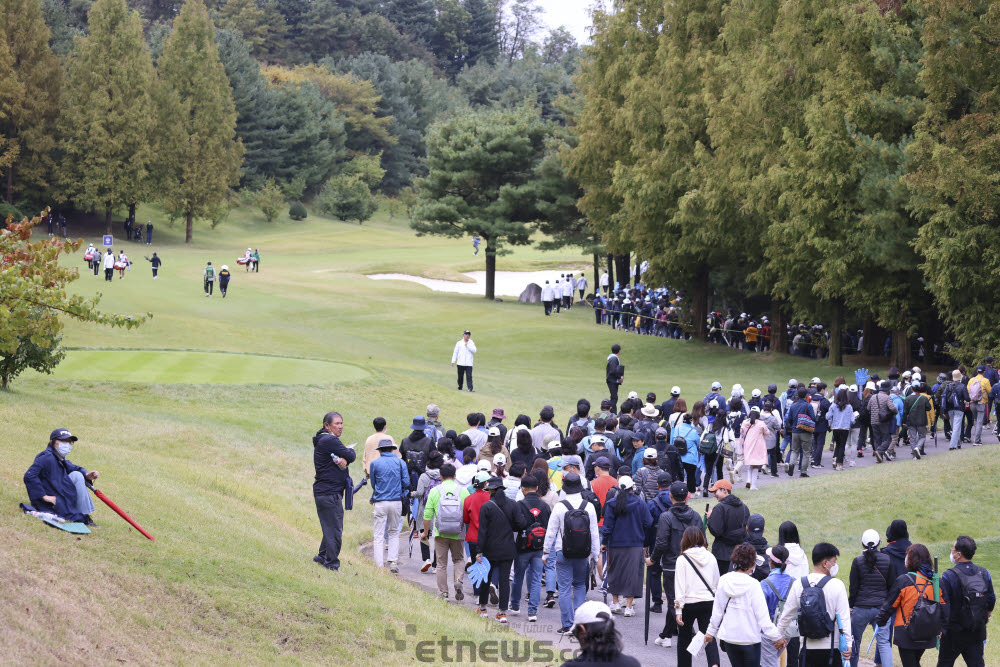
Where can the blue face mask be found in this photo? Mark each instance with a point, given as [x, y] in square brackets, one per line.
[64, 448]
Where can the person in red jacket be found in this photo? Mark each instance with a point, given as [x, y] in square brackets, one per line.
[470, 514]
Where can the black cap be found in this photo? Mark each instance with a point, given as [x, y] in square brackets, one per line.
[664, 479]
[679, 490]
[755, 524]
[494, 483]
[62, 434]
[466, 332]
[603, 462]
[772, 388]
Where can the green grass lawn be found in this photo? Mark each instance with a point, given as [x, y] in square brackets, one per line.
[212, 452]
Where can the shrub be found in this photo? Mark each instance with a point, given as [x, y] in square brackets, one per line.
[297, 211]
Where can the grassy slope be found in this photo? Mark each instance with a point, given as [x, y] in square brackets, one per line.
[221, 474]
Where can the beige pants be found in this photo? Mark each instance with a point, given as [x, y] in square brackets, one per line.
[442, 547]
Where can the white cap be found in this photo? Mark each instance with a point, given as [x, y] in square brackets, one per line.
[713, 404]
[870, 539]
[649, 453]
[853, 389]
[907, 374]
[793, 383]
[915, 384]
[494, 431]
[815, 381]
[499, 459]
[555, 444]
[916, 369]
[225, 268]
[675, 391]
[626, 482]
[743, 314]
[597, 437]
[483, 465]
[591, 611]
[755, 393]
[917, 377]
[754, 408]
[737, 390]
[716, 385]
[870, 385]
[632, 394]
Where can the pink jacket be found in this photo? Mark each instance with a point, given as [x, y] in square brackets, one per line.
[754, 443]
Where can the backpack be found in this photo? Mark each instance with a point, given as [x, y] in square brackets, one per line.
[814, 620]
[924, 623]
[533, 537]
[434, 483]
[709, 444]
[449, 513]
[576, 531]
[951, 397]
[659, 505]
[976, 390]
[416, 457]
[804, 422]
[890, 412]
[975, 609]
[681, 445]
[781, 600]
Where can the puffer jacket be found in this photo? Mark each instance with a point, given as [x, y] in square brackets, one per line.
[728, 523]
[899, 605]
[879, 406]
[669, 530]
[869, 585]
[645, 482]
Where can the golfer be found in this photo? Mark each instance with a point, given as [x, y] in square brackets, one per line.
[331, 459]
[57, 485]
[462, 356]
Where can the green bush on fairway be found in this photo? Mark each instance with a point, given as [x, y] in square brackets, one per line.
[297, 211]
[221, 475]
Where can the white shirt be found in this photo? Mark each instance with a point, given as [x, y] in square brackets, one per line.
[568, 287]
[547, 292]
[581, 283]
[604, 279]
[554, 531]
[463, 353]
[109, 261]
[835, 594]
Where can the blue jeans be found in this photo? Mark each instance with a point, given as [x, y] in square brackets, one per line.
[572, 575]
[743, 655]
[530, 562]
[955, 416]
[861, 618]
[550, 576]
[84, 504]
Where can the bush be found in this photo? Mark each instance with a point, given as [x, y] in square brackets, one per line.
[8, 209]
[297, 211]
[270, 199]
[347, 198]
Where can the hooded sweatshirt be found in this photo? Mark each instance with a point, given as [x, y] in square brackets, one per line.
[728, 523]
[428, 479]
[739, 615]
[797, 566]
[688, 588]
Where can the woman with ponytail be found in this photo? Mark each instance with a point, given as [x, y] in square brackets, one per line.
[870, 584]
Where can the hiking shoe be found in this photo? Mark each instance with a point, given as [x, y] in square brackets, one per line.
[459, 595]
[482, 613]
[393, 567]
[789, 468]
[426, 566]
[878, 457]
[916, 453]
[656, 608]
[515, 612]
[501, 618]
[550, 601]
[819, 465]
[532, 618]
[628, 612]
[564, 631]
[803, 474]
[615, 608]
[494, 596]
[663, 641]
[748, 485]
[851, 464]
[443, 596]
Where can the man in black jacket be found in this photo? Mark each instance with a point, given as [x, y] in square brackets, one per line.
[667, 548]
[614, 374]
[965, 632]
[897, 536]
[331, 459]
[416, 449]
[498, 521]
[530, 543]
[727, 521]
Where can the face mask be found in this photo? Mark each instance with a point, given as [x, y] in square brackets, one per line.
[64, 448]
[952, 557]
[834, 570]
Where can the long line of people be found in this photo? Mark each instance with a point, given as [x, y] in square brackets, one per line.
[605, 505]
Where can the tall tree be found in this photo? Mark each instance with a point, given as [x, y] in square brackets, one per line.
[448, 40]
[108, 123]
[29, 120]
[481, 167]
[259, 22]
[416, 18]
[198, 118]
[482, 42]
[518, 26]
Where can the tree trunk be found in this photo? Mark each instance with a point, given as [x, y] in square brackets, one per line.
[107, 218]
[779, 328]
[131, 211]
[611, 273]
[900, 351]
[597, 274]
[189, 229]
[700, 304]
[869, 346]
[491, 268]
[10, 190]
[622, 264]
[837, 334]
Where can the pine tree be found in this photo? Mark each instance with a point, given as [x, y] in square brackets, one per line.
[30, 117]
[202, 155]
[108, 122]
[482, 41]
[416, 18]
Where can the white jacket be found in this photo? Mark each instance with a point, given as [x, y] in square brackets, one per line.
[547, 293]
[109, 261]
[568, 287]
[835, 594]
[463, 353]
[798, 565]
[581, 283]
[739, 615]
[554, 531]
[688, 587]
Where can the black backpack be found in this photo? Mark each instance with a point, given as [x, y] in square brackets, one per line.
[814, 620]
[532, 538]
[681, 445]
[576, 531]
[924, 623]
[975, 606]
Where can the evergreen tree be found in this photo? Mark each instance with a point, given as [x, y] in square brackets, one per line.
[416, 18]
[198, 118]
[450, 33]
[259, 22]
[481, 164]
[108, 122]
[482, 41]
[29, 120]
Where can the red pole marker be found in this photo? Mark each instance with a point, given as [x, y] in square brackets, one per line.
[119, 511]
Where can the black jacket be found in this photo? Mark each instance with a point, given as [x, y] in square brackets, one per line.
[498, 521]
[669, 531]
[760, 545]
[588, 467]
[415, 449]
[870, 585]
[614, 371]
[896, 551]
[330, 479]
[728, 523]
[951, 588]
[517, 456]
[527, 517]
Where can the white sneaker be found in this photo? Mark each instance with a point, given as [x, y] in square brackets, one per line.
[426, 566]
[532, 618]
[434, 570]
[628, 612]
[664, 642]
[514, 612]
[851, 464]
[615, 609]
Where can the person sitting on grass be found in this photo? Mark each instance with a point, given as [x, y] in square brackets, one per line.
[57, 485]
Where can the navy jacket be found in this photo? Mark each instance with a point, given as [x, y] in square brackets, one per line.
[951, 585]
[330, 479]
[49, 476]
[896, 551]
[797, 408]
[660, 504]
[629, 529]
[390, 478]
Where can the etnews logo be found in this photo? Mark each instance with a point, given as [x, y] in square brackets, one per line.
[447, 650]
